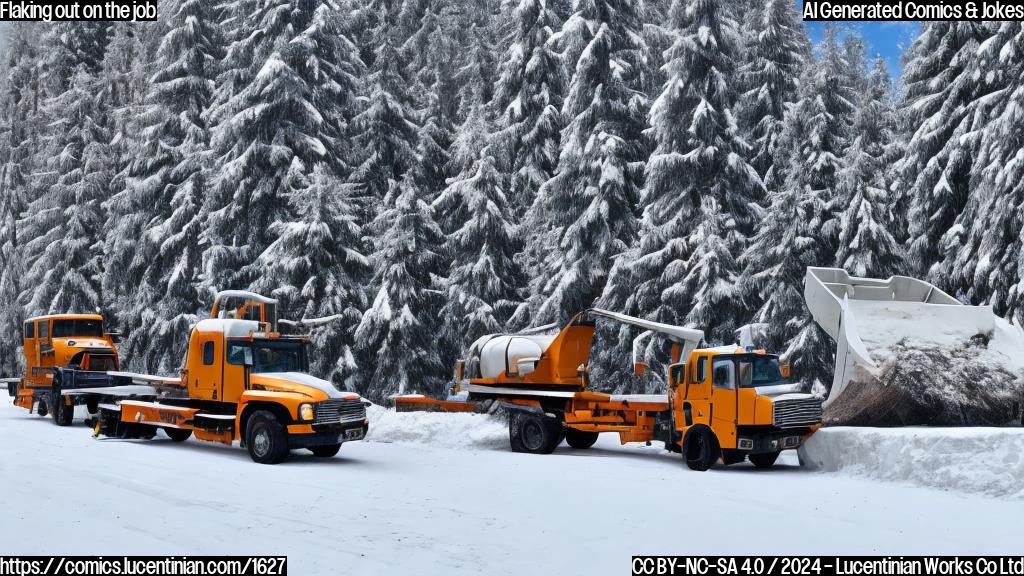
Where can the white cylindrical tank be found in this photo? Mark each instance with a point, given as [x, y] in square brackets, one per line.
[503, 353]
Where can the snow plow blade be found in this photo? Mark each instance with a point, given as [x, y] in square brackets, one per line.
[424, 404]
[907, 353]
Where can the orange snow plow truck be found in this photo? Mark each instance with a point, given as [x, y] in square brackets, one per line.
[241, 380]
[60, 341]
[727, 403]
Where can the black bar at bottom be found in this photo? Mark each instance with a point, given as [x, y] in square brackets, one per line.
[827, 565]
[148, 565]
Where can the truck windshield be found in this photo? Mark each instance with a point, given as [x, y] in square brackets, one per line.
[77, 328]
[270, 355]
[759, 371]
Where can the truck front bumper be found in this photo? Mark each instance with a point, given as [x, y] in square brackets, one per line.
[309, 436]
[762, 442]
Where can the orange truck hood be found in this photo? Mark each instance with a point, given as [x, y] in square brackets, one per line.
[299, 383]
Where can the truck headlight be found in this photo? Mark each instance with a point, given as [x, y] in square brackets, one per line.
[745, 444]
[306, 412]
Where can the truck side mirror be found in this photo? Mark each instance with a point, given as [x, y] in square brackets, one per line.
[640, 368]
[115, 337]
[247, 357]
[785, 370]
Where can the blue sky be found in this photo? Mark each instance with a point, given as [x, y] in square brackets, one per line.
[887, 39]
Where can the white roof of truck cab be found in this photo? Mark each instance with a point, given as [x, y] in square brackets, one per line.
[229, 327]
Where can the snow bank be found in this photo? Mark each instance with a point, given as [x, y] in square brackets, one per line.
[986, 461]
[936, 365]
[451, 430]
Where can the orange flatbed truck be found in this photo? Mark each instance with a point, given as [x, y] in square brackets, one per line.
[242, 380]
[723, 404]
[51, 343]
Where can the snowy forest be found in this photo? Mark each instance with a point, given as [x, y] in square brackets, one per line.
[430, 171]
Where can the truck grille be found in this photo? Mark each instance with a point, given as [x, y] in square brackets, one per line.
[334, 411]
[797, 412]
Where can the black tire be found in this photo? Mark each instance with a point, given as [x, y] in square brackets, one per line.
[325, 451]
[265, 438]
[579, 439]
[42, 408]
[177, 434]
[766, 460]
[533, 433]
[700, 448]
[730, 457]
[63, 414]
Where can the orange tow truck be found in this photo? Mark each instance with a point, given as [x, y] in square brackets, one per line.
[242, 380]
[57, 341]
[723, 404]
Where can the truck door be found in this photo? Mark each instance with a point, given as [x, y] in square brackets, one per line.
[235, 377]
[205, 366]
[44, 351]
[30, 346]
[723, 400]
[698, 393]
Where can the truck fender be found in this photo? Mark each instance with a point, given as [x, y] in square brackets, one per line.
[282, 404]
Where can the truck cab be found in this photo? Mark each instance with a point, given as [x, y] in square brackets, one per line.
[732, 403]
[57, 341]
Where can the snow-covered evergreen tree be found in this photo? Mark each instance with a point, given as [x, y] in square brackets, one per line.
[64, 224]
[432, 53]
[484, 282]
[867, 247]
[18, 125]
[770, 76]
[296, 76]
[385, 131]
[591, 200]
[982, 251]
[942, 94]
[316, 268]
[433, 161]
[699, 190]
[64, 217]
[157, 218]
[397, 337]
[527, 101]
[801, 227]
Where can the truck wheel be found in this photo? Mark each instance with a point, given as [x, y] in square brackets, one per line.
[764, 460]
[533, 433]
[700, 448]
[42, 408]
[325, 451]
[579, 439]
[177, 434]
[63, 414]
[265, 438]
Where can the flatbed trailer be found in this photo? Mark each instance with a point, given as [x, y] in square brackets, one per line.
[727, 403]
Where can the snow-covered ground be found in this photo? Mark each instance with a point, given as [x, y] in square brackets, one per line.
[425, 503]
[973, 460]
